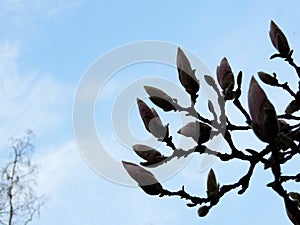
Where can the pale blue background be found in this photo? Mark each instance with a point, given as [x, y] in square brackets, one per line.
[45, 48]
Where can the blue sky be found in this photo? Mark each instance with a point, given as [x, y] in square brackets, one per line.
[47, 46]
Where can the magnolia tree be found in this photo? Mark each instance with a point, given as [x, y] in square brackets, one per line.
[280, 132]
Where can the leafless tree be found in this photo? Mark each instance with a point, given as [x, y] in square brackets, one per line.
[19, 202]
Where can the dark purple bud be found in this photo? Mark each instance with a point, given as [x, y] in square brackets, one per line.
[225, 75]
[187, 74]
[160, 98]
[145, 112]
[190, 130]
[145, 179]
[151, 120]
[294, 106]
[203, 210]
[295, 196]
[292, 211]
[283, 126]
[267, 78]
[151, 155]
[279, 40]
[212, 184]
[157, 129]
[200, 132]
[263, 114]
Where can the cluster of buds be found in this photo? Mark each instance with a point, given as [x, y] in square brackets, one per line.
[262, 119]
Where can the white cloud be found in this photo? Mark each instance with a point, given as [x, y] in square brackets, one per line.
[33, 8]
[60, 7]
[56, 166]
[28, 100]
[16, 15]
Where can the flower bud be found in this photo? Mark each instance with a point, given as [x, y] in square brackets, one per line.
[292, 211]
[288, 143]
[225, 75]
[294, 106]
[187, 74]
[203, 210]
[212, 185]
[152, 121]
[279, 40]
[263, 114]
[160, 98]
[267, 78]
[283, 126]
[200, 132]
[152, 156]
[145, 179]
[295, 196]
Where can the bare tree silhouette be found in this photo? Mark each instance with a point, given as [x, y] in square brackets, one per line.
[19, 202]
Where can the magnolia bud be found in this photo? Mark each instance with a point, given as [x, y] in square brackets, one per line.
[292, 211]
[225, 75]
[200, 132]
[151, 155]
[295, 196]
[152, 121]
[279, 40]
[267, 78]
[263, 114]
[203, 210]
[187, 74]
[270, 122]
[294, 106]
[160, 98]
[283, 126]
[212, 185]
[145, 179]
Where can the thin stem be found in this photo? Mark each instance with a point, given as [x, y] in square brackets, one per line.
[244, 182]
[169, 142]
[288, 117]
[183, 195]
[192, 112]
[290, 60]
[286, 87]
[288, 178]
[238, 104]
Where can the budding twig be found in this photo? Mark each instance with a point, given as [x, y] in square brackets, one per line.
[290, 60]
[238, 104]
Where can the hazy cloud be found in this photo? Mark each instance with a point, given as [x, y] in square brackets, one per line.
[28, 100]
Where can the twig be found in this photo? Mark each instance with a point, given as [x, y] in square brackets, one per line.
[238, 104]
[290, 60]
